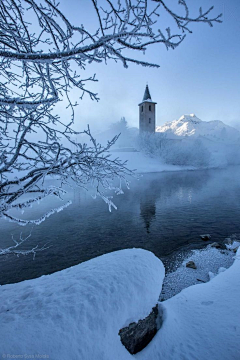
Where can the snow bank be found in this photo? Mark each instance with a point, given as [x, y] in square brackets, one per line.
[202, 322]
[76, 313]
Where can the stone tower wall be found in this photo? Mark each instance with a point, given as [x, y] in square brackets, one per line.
[147, 117]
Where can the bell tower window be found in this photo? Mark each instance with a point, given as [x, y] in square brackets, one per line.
[142, 108]
[149, 120]
[150, 109]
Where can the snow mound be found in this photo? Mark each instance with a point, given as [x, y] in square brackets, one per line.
[202, 322]
[76, 313]
[192, 126]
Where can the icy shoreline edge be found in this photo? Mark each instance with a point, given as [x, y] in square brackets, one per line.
[76, 313]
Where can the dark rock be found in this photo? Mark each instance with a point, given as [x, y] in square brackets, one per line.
[191, 264]
[137, 336]
[205, 237]
[216, 245]
[235, 249]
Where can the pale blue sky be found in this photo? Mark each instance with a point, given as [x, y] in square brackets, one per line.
[201, 76]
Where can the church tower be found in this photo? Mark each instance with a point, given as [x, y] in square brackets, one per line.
[147, 113]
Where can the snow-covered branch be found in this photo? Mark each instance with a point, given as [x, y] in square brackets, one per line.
[16, 248]
[41, 62]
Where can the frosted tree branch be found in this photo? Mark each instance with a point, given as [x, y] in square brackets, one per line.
[14, 249]
[41, 63]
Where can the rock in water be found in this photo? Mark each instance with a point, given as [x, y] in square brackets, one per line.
[137, 336]
[235, 249]
[216, 245]
[191, 264]
[205, 237]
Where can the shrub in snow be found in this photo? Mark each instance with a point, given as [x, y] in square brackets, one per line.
[174, 151]
[186, 152]
[152, 144]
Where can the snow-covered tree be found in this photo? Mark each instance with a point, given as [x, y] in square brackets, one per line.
[152, 144]
[120, 126]
[43, 56]
[186, 152]
[183, 152]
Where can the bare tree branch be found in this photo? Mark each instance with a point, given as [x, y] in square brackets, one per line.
[41, 63]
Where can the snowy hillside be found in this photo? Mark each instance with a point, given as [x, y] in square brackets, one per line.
[191, 125]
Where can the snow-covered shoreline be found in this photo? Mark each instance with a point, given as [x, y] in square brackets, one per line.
[76, 313]
[202, 321]
[145, 164]
[209, 262]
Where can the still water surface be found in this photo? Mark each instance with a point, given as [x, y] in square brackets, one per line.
[162, 212]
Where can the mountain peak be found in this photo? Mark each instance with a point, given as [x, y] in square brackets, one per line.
[191, 126]
[190, 117]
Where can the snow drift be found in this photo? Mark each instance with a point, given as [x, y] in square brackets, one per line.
[77, 313]
[202, 322]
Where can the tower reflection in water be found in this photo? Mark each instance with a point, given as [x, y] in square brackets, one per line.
[148, 211]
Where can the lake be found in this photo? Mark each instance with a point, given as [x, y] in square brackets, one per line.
[162, 212]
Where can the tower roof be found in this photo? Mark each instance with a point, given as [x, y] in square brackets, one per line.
[147, 95]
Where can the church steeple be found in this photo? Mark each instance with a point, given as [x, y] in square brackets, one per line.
[147, 95]
[147, 113]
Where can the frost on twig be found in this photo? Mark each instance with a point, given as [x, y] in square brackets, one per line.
[14, 249]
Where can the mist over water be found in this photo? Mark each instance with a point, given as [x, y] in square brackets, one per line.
[162, 212]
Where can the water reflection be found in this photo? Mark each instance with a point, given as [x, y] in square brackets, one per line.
[161, 213]
[169, 190]
[148, 211]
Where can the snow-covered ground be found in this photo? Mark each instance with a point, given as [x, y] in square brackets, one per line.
[201, 322]
[145, 164]
[76, 313]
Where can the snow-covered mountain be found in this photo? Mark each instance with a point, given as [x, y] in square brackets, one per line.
[191, 125]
